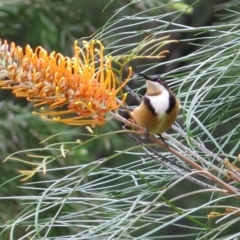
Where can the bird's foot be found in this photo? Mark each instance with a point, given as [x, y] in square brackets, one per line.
[145, 134]
[166, 145]
[130, 120]
[125, 126]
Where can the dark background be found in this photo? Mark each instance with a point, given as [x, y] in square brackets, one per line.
[54, 25]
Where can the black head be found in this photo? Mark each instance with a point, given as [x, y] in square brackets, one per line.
[154, 78]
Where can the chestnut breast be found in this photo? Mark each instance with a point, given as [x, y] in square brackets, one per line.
[157, 113]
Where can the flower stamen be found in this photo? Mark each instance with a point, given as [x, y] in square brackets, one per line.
[86, 87]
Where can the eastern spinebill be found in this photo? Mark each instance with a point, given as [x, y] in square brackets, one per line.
[159, 108]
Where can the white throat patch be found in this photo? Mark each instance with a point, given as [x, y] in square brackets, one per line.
[160, 103]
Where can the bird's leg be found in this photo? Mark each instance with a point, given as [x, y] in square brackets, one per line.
[145, 135]
[146, 132]
[166, 145]
[130, 120]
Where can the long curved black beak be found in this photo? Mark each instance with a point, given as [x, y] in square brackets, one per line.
[143, 75]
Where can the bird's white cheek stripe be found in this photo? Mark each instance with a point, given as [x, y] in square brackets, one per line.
[160, 103]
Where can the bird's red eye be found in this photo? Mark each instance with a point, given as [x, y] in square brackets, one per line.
[162, 82]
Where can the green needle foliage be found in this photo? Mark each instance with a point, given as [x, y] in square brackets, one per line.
[112, 184]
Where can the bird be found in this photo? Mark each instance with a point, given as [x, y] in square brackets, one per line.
[159, 108]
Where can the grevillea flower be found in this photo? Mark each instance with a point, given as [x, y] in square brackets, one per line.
[80, 90]
[86, 84]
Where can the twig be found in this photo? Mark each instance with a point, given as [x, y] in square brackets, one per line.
[233, 174]
[187, 160]
[172, 163]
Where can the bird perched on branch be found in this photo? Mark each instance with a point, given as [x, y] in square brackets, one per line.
[159, 108]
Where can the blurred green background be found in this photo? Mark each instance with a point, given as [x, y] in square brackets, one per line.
[54, 25]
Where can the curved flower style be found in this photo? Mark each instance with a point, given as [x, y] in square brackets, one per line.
[85, 83]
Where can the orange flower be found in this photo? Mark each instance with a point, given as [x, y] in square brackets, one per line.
[86, 83]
